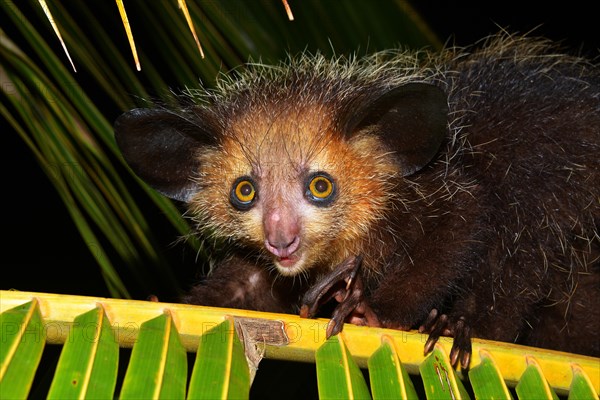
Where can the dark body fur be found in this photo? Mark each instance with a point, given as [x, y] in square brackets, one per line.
[500, 229]
[503, 229]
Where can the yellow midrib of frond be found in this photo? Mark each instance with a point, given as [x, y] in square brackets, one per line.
[304, 336]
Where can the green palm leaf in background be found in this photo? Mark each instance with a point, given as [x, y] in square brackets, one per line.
[65, 118]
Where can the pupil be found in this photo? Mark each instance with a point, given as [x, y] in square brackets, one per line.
[321, 186]
[246, 189]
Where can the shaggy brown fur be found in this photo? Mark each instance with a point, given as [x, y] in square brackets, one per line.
[468, 182]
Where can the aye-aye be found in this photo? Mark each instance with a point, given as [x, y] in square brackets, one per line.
[457, 193]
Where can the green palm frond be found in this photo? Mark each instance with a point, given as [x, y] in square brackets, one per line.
[87, 367]
[158, 357]
[161, 333]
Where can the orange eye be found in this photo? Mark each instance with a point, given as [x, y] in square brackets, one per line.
[243, 193]
[320, 189]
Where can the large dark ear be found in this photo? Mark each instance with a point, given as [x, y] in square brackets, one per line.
[411, 120]
[161, 148]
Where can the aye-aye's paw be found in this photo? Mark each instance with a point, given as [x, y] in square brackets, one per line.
[345, 285]
[438, 325]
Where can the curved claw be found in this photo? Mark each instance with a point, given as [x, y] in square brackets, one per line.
[324, 290]
[461, 348]
[350, 303]
[437, 329]
[345, 285]
[441, 325]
